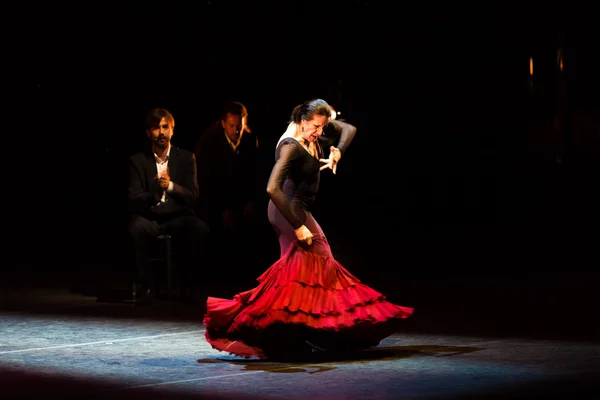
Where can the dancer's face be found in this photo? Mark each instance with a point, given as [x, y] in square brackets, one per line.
[311, 130]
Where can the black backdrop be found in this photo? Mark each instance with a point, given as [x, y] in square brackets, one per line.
[438, 172]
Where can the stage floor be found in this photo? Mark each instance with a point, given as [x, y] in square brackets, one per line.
[55, 341]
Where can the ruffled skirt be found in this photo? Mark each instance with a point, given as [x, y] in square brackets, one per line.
[304, 301]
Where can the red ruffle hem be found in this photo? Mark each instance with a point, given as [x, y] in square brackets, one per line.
[303, 301]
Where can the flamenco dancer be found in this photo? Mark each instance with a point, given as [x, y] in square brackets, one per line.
[306, 301]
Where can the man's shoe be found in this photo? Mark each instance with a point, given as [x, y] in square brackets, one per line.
[142, 296]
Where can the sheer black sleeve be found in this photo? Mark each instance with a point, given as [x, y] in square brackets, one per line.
[288, 152]
[343, 132]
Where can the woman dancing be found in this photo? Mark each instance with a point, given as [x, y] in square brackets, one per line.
[306, 301]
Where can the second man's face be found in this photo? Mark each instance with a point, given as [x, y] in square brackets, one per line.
[234, 126]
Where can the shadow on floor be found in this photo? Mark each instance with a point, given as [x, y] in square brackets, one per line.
[297, 364]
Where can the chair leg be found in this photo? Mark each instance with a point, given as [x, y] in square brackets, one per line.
[169, 267]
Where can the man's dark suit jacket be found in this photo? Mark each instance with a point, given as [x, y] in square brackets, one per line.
[226, 178]
[145, 192]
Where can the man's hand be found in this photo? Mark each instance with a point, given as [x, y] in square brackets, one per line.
[249, 213]
[164, 179]
[229, 220]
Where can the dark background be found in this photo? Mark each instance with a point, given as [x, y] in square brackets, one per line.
[449, 176]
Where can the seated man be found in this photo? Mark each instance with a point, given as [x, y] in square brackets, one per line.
[227, 154]
[163, 190]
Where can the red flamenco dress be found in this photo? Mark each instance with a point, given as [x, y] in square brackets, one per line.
[303, 301]
[306, 300]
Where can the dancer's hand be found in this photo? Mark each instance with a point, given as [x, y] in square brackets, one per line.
[304, 235]
[334, 156]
